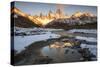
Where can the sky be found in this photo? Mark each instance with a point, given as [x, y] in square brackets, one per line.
[34, 8]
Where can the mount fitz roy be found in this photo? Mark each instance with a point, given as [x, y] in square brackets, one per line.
[54, 20]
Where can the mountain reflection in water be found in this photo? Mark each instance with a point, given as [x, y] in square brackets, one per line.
[60, 54]
[59, 50]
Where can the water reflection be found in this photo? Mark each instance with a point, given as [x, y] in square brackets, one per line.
[59, 53]
[57, 50]
[60, 44]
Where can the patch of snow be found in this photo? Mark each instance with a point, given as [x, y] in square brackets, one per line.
[92, 48]
[89, 39]
[34, 29]
[94, 31]
[22, 41]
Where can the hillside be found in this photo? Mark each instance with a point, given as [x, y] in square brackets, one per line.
[20, 19]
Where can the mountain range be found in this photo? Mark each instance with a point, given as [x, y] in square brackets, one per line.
[77, 19]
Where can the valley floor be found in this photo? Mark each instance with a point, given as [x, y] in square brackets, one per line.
[56, 47]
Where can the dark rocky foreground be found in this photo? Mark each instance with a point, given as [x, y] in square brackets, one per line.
[33, 55]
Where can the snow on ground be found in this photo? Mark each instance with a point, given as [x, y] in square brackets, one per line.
[89, 39]
[19, 30]
[22, 41]
[92, 48]
[83, 30]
